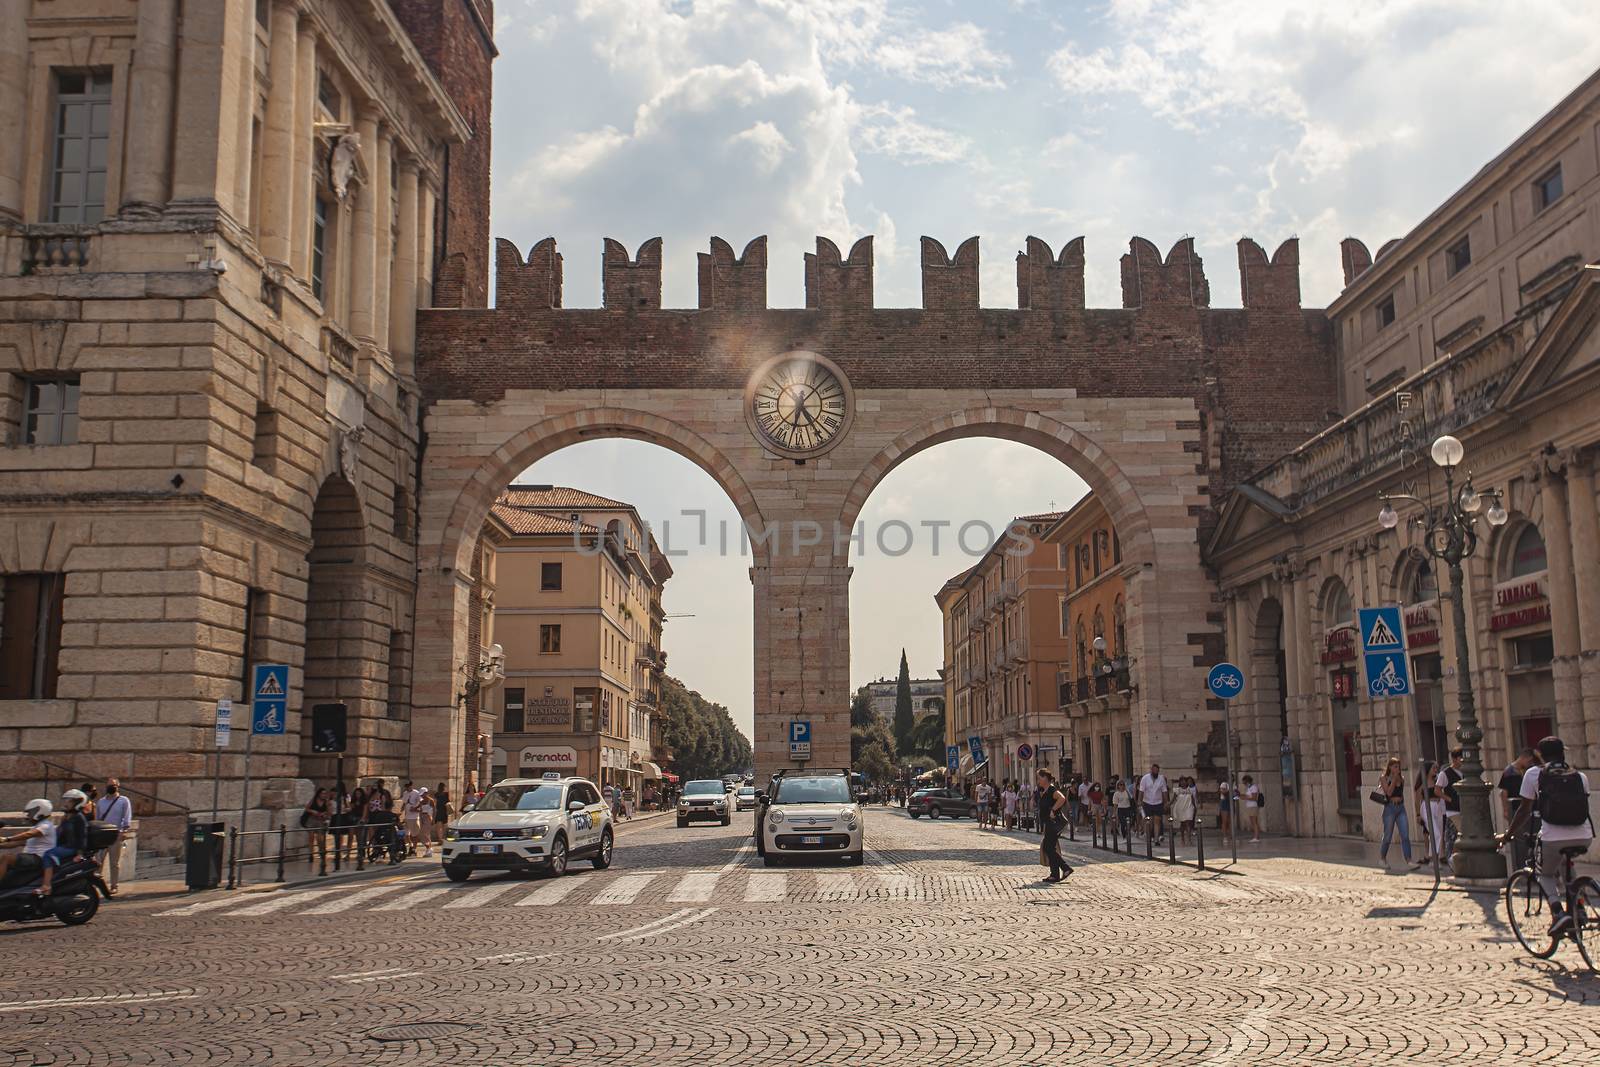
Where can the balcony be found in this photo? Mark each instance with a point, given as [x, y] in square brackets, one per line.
[1017, 650]
[339, 349]
[56, 248]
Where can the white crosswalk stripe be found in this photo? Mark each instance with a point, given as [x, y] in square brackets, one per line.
[836, 885]
[694, 887]
[624, 890]
[553, 893]
[280, 901]
[204, 905]
[407, 901]
[475, 897]
[360, 897]
[766, 887]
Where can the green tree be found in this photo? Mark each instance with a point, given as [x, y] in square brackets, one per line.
[861, 708]
[904, 717]
[927, 736]
[700, 736]
[874, 763]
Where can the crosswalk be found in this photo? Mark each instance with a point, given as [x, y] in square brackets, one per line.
[616, 888]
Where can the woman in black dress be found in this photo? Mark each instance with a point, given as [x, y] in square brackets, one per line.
[441, 812]
[1053, 820]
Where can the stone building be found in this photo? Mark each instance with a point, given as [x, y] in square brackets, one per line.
[1479, 323]
[217, 223]
[884, 692]
[577, 612]
[1098, 677]
[1004, 647]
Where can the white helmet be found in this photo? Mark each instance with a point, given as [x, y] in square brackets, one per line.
[38, 810]
[74, 797]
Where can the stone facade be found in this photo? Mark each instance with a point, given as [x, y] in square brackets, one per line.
[198, 217]
[1479, 323]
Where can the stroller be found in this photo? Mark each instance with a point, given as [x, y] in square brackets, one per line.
[386, 838]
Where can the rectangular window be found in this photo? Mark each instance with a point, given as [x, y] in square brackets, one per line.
[1065, 614]
[514, 721]
[254, 607]
[30, 636]
[550, 637]
[550, 577]
[583, 702]
[328, 96]
[319, 246]
[51, 411]
[1061, 557]
[1457, 257]
[1547, 188]
[1385, 311]
[261, 13]
[81, 145]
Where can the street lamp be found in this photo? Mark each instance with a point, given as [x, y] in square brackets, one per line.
[1450, 534]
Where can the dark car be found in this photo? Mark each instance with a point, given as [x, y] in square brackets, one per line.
[936, 802]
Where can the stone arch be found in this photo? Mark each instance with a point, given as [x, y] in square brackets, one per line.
[344, 661]
[1264, 722]
[493, 473]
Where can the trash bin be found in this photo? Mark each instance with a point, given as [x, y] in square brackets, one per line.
[204, 856]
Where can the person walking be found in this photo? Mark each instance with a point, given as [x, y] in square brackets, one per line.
[1123, 802]
[1510, 786]
[1008, 802]
[1051, 801]
[981, 796]
[441, 812]
[411, 816]
[1183, 810]
[1430, 810]
[1153, 795]
[1448, 777]
[315, 817]
[115, 809]
[1254, 801]
[1393, 787]
[425, 811]
[1225, 809]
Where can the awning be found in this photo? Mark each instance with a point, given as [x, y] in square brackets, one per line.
[649, 770]
[669, 776]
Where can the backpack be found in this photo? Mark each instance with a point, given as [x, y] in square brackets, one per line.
[1562, 799]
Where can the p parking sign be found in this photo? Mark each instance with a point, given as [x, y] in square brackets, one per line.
[799, 739]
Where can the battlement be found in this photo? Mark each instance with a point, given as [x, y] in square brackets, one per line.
[1355, 258]
[834, 282]
[735, 284]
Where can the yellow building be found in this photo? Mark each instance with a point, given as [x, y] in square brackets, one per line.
[1095, 681]
[575, 604]
[1003, 649]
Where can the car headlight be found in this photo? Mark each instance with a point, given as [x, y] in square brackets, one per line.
[532, 833]
[776, 815]
[452, 834]
[850, 822]
[721, 804]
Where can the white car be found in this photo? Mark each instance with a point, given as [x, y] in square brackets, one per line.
[705, 798]
[530, 824]
[812, 813]
[745, 798]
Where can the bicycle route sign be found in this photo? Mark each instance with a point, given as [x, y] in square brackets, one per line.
[269, 701]
[1383, 650]
[1226, 681]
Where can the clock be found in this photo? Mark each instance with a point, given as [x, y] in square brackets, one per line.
[799, 405]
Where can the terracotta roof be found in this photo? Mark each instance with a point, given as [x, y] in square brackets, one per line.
[556, 496]
[1043, 516]
[522, 521]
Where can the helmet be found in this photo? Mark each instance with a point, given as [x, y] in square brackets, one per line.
[38, 810]
[75, 797]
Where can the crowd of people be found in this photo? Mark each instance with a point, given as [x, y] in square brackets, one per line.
[371, 816]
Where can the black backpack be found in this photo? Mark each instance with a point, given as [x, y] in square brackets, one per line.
[1562, 799]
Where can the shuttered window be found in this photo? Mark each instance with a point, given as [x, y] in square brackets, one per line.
[30, 636]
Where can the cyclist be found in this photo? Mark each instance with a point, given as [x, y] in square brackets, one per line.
[1559, 795]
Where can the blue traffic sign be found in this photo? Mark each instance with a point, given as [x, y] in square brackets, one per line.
[952, 758]
[269, 698]
[1381, 629]
[1226, 680]
[799, 739]
[1383, 651]
[975, 744]
[1388, 674]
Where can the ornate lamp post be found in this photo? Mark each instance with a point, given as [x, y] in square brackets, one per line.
[1451, 535]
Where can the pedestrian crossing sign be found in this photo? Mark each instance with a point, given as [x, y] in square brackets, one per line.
[1383, 652]
[269, 704]
[1381, 630]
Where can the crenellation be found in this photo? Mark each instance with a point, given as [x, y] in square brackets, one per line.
[1050, 283]
[1354, 258]
[1150, 281]
[949, 283]
[527, 284]
[733, 284]
[1269, 284]
[631, 284]
[835, 284]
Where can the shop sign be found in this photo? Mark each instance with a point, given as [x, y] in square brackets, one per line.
[1422, 629]
[1514, 620]
[547, 711]
[1519, 593]
[1339, 646]
[545, 756]
[1344, 685]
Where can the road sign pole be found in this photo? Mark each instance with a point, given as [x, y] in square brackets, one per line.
[1233, 785]
[244, 797]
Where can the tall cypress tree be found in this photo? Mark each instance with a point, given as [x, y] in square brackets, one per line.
[904, 718]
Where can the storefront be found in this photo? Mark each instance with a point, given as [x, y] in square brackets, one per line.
[1339, 659]
[1521, 622]
[1427, 666]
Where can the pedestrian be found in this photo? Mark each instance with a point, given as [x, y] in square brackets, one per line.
[1008, 801]
[1183, 811]
[1393, 787]
[441, 812]
[411, 814]
[315, 818]
[115, 809]
[1430, 809]
[1510, 786]
[1559, 793]
[1074, 801]
[1052, 821]
[1448, 777]
[1097, 805]
[1254, 800]
[425, 810]
[981, 795]
[1123, 802]
[1225, 809]
[1153, 795]
[91, 794]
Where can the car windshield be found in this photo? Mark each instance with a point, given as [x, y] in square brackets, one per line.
[923, 792]
[812, 791]
[700, 789]
[546, 796]
[747, 791]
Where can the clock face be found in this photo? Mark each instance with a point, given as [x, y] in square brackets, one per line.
[799, 405]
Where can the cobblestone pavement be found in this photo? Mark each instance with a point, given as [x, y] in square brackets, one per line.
[944, 947]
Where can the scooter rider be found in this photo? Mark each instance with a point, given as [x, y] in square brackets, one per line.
[72, 835]
[36, 841]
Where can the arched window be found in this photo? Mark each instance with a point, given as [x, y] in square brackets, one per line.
[1528, 557]
[1099, 623]
[1339, 611]
[1422, 584]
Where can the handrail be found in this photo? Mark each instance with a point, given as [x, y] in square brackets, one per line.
[70, 774]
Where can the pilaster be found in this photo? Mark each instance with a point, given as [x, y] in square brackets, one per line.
[277, 137]
[1563, 598]
[1585, 525]
[13, 106]
[150, 95]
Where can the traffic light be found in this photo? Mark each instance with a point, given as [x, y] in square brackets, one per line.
[328, 727]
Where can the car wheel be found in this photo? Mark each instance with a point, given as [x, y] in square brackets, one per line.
[933, 813]
[682, 823]
[602, 859]
[457, 874]
[81, 909]
[914, 815]
[769, 861]
[858, 857]
[558, 857]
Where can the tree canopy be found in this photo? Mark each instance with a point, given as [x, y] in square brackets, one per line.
[700, 734]
[904, 713]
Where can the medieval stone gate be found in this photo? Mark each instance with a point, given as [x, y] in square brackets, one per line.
[1160, 406]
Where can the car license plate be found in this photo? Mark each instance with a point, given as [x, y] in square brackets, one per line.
[489, 850]
[811, 840]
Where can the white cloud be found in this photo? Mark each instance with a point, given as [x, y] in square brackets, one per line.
[767, 142]
[958, 55]
[896, 131]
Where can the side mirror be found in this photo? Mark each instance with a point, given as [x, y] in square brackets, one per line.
[469, 809]
[576, 805]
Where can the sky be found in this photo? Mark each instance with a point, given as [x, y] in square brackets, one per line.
[1215, 119]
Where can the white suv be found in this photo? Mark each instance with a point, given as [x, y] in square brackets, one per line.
[706, 798]
[528, 824]
[811, 812]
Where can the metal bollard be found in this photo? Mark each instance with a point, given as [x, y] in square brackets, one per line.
[1200, 843]
[283, 838]
[1149, 843]
[1172, 846]
[322, 850]
[233, 856]
[361, 847]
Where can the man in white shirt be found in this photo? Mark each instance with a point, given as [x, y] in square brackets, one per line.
[981, 795]
[1008, 801]
[1564, 824]
[411, 812]
[1153, 795]
[114, 809]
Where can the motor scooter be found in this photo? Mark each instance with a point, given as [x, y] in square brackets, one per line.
[74, 898]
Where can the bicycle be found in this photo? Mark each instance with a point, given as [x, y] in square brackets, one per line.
[1527, 908]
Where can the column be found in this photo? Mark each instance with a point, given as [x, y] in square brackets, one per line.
[425, 203]
[1563, 601]
[13, 106]
[244, 148]
[383, 237]
[1586, 574]
[403, 285]
[303, 183]
[150, 108]
[210, 78]
[364, 252]
[277, 137]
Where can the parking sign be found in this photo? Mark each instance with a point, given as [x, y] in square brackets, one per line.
[799, 739]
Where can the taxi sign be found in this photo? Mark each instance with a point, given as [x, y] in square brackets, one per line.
[551, 776]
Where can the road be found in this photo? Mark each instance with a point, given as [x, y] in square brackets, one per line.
[943, 948]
